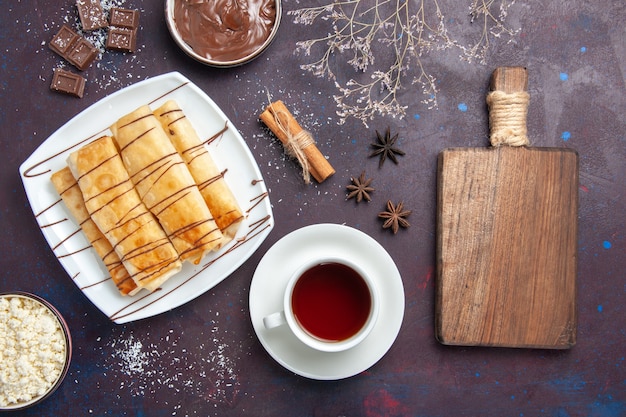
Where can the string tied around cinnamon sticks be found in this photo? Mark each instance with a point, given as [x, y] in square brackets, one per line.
[507, 117]
[298, 142]
[295, 143]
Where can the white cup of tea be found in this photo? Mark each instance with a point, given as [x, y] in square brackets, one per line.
[330, 304]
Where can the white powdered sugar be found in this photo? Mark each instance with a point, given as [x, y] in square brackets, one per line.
[130, 355]
[204, 371]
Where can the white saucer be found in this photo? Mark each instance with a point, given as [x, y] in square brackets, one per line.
[270, 279]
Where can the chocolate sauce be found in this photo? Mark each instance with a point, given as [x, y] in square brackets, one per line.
[255, 227]
[224, 30]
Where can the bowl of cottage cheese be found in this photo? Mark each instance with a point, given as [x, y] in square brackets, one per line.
[35, 350]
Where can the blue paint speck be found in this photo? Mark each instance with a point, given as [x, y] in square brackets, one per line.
[416, 116]
[563, 76]
[607, 406]
[566, 136]
[606, 244]
[561, 413]
[462, 107]
[568, 383]
[600, 308]
[583, 49]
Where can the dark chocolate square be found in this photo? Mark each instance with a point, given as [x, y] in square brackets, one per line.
[121, 39]
[91, 14]
[68, 83]
[124, 18]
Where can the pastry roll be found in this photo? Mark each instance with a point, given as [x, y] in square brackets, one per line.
[117, 210]
[210, 179]
[67, 187]
[165, 185]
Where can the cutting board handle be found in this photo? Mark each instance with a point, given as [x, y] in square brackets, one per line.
[508, 106]
[509, 79]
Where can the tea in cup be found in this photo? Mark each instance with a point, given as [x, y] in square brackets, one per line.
[330, 304]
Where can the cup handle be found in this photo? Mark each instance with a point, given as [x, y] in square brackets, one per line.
[274, 320]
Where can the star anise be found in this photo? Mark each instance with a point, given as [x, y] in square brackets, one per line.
[360, 188]
[385, 147]
[395, 216]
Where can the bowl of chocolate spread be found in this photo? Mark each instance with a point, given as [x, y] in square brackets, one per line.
[223, 33]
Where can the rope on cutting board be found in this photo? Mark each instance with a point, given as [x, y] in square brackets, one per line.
[507, 118]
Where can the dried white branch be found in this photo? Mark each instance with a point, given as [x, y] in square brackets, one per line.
[363, 30]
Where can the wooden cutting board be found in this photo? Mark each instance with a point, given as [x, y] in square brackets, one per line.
[507, 237]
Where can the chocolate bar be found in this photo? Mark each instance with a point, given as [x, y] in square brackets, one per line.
[76, 49]
[91, 14]
[82, 54]
[67, 82]
[124, 18]
[121, 39]
[63, 40]
[123, 30]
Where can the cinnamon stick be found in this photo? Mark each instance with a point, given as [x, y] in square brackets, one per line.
[282, 123]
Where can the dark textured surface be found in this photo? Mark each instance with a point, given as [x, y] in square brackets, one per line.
[203, 358]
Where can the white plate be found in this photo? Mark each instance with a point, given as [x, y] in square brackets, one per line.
[270, 280]
[73, 250]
